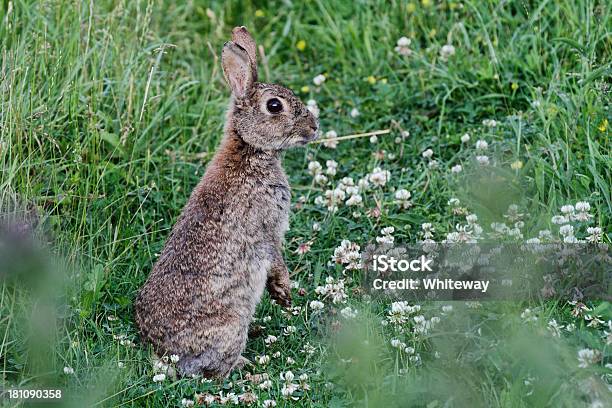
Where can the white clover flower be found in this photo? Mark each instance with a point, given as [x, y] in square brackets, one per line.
[587, 357]
[447, 308]
[471, 219]
[453, 202]
[529, 315]
[595, 234]
[316, 305]
[320, 179]
[270, 339]
[483, 160]
[314, 168]
[355, 113]
[554, 328]
[266, 319]
[373, 139]
[174, 358]
[287, 376]
[447, 51]
[159, 377]
[269, 403]
[265, 384]
[348, 313]
[465, 138]
[354, 200]
[559, 219]
[396, 343]
[570, 239]
[331, 139]
[583, 206]
[481, 145]
[363, 184]
[332, 167]
[402, 198]
[566, 230]
[457, 168]
[316, 227]
[427, 154]
[289, 330]
[312, 107]
[379, 177]
[386, 236]
[536, 104]
[263, 360]
[350, 190]
[583, 209]
[567, 209]
[403, 308]
[403, 46]
[404, 42]
[387, 230]
[230, 397]
[347, 254]
[187, 402]
[68, 370]
[319, 79]
[489, 123]
[402, 194]
[289, 389]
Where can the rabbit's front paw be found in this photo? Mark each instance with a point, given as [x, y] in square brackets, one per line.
[280, 291]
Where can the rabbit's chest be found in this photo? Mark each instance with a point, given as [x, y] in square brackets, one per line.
[273, 215]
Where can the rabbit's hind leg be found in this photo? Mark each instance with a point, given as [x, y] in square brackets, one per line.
[208, 363]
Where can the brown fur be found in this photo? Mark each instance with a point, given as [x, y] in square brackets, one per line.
[225, 248]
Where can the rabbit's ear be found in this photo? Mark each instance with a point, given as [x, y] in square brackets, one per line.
[243, 38]
[237, 68]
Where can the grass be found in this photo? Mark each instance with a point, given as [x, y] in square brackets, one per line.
[109, 112]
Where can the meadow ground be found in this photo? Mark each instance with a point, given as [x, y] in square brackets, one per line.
[109, 111]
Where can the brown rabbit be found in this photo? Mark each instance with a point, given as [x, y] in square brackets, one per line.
[226, 245]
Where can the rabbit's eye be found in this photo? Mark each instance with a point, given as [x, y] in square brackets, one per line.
[274, 105]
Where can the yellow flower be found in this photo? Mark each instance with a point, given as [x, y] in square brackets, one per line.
[411, 7]
[305, 89]
[514, 86]
[301, 45]
[603, 126]
[433, 32]
[259, 13]
[426, 3]
[372, 80]
[517, 165]
[383, 80]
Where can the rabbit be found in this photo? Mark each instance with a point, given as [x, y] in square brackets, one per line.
[226, 246]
